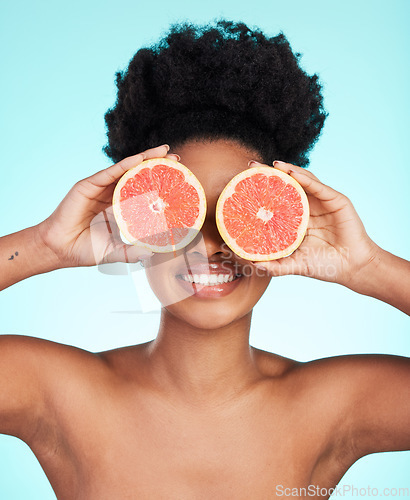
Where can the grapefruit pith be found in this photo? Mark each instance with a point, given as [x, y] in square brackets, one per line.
[159, 205]
[262, 214]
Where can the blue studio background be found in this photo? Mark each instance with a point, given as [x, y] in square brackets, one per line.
[58, 63]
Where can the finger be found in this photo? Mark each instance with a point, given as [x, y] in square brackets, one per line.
[279, 267]
[105, 222]
[314, 187]
[173, 156]
[109, 175]
[107, 244]
[286, 167]
[128, 253]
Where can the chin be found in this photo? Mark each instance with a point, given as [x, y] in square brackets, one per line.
[207, 316]
[209, 313]
[205, 294]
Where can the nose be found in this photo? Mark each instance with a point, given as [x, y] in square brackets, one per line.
[210, 243]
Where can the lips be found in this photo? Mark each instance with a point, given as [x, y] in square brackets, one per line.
[209, 279]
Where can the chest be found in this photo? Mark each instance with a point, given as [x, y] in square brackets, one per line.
[151, 450]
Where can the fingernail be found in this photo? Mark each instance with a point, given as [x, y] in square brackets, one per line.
[167, 146]
[278, 161]
[178, 157]
[253, 161]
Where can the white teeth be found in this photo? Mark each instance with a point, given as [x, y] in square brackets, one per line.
[208, 279]
[213, 279]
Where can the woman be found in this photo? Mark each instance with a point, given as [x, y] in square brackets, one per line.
[198, 412]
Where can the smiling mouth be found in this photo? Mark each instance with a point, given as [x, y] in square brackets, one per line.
[208, 279]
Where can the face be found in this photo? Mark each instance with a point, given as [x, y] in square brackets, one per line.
[209, 304]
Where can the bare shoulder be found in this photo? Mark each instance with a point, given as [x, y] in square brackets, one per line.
[341, 373]
[343, 390]
[364, 399]
[274, 365]
[53, 360]
[38, 359]
[48, 365]
[350, 405]
[372, 391]
[352, 371]
[340, 370]
[34, 346]
[31, 369]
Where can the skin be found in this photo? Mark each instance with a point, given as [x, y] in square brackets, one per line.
[198, 412]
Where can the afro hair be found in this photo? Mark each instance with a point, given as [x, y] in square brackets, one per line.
[217, 81]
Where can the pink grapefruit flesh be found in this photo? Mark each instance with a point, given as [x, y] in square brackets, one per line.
[262, 214]
[159, 205]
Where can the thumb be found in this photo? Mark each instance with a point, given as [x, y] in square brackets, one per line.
[128, 253]
[118, 258]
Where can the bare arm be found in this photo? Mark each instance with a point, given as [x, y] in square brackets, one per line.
[380, 404]
[387, 278]
[22, 401]
[23, 254]
[363, 404]
[80, 232]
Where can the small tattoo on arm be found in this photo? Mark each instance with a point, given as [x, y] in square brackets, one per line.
[12, 257]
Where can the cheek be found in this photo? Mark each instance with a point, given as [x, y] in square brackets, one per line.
[160, 273]
[257, 279]
[261, 277]
[258, 283]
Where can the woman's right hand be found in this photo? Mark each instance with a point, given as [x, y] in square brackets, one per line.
[82, 230]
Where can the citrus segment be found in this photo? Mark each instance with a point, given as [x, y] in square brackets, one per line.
[159, 204]
[262, 214]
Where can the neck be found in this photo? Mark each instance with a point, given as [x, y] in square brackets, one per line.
[202, 365]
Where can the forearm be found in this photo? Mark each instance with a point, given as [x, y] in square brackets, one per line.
[22, 255]
[386, 278]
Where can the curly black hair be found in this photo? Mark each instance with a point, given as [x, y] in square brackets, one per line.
[220, 81]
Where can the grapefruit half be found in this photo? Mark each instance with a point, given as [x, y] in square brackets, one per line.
[159, 205]
[262, 214]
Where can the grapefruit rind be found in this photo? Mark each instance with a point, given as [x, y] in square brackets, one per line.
[230, 189]
[190, 178]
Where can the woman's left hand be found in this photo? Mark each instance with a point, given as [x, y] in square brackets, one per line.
[336, 246]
